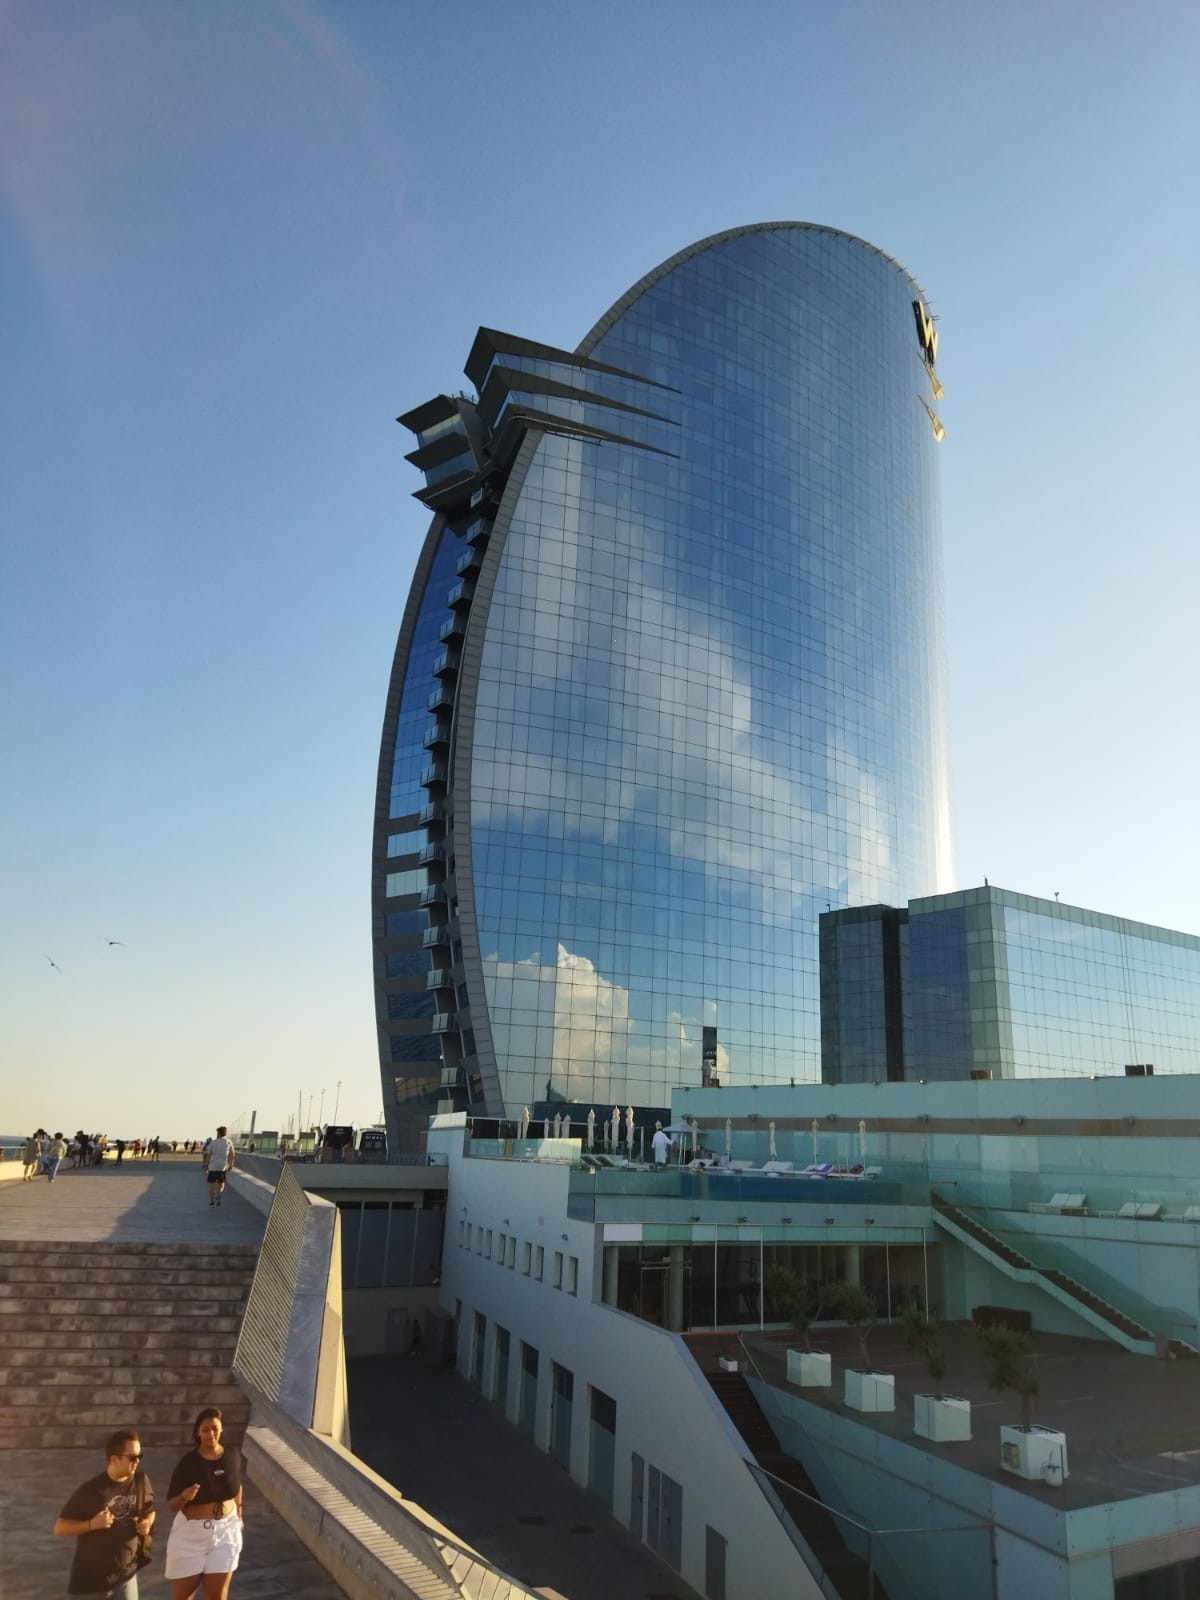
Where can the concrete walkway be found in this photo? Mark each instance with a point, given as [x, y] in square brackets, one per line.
[438, 1441]
[140, 1202]
[36, 1564]
[162, 1201]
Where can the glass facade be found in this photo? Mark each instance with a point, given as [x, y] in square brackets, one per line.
[1004, 985]
[701, 689]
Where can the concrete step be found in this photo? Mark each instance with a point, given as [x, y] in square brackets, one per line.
[92, 1436]
[203, 1323]
[82, 1399]
[35, 1277]
[16, 1364]
[62, 1342]
[90, 1252]
[64, 1384]
[213, 1302]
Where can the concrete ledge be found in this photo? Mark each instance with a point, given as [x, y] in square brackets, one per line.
[259, 1194]
[375, 1545]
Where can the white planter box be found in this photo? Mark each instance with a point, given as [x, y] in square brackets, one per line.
[943, 1418]
[870, 1391]
[727, 1363]
[811, 1369]
[1039, 1453]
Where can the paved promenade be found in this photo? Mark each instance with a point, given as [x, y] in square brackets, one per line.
[140, 1202]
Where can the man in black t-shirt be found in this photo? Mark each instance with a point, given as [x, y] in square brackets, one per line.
[109, 1515]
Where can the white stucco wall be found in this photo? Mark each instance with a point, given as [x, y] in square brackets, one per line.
[666, 1411]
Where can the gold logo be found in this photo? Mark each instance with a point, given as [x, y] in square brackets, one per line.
[926, 332]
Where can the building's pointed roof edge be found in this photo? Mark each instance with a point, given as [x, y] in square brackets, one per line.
[619, 307]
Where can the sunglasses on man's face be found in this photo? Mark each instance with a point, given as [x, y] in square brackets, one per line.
[128, 1457]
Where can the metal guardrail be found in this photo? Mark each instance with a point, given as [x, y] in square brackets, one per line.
[869, 1534]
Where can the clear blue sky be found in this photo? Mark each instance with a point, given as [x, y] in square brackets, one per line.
[236, 240]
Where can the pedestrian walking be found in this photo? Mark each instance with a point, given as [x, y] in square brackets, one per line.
[30, 1156]
[205, 1493]
[52, 1153]
[218, 1160]
[111, 1516]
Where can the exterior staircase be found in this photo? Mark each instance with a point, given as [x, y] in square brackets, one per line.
[99, 1336]
[844, 1573]
[1105, 1318]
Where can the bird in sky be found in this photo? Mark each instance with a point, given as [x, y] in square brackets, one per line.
[121, 942]
[55, 965]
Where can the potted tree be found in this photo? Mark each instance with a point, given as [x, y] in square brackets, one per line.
[866, 1389]
[798, 1301]
[936, 1416]
[1028, 1450]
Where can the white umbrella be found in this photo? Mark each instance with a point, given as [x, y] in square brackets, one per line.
[728, 1137]
[546, 1127]
[591, 1130]
[524, 1122]
[616, 1126]
[557, 1126]
[862, 1143]
[814, 1134]
[629, 1128]
[771, 1146]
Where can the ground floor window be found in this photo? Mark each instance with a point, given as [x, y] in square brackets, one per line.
[725, 1284]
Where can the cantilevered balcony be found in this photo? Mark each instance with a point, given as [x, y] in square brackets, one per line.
[437, 737]
[433, 815]
[479, 532]
[445, 663]
[445, 1021]
[461, 595]
[435, 938]
[469, 562]
[442, 699]
[433, 894]
[435, 850]
[434, 776]
[453, 628]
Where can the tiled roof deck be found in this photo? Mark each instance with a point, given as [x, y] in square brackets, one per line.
[1132, 1422]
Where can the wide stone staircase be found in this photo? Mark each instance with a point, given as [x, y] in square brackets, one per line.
[97, 1336]
[1077, 1297]
[845, 1572]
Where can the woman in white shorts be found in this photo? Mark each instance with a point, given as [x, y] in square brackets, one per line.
[205, 1493]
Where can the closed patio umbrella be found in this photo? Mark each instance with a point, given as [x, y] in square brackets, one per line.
[591, 1129]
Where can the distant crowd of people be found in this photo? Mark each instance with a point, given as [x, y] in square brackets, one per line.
[44, 1153]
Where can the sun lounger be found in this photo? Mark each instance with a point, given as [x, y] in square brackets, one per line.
[1061, 1205]
[774, 1168]
[816, 1169]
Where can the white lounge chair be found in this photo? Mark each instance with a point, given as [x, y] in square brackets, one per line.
[1061, 1205]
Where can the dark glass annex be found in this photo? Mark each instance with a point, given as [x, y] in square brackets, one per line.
[668, 685]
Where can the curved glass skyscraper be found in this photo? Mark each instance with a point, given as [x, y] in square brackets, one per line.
[669, 685]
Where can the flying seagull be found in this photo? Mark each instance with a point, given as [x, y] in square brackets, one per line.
[121, 942]
[55, 965]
